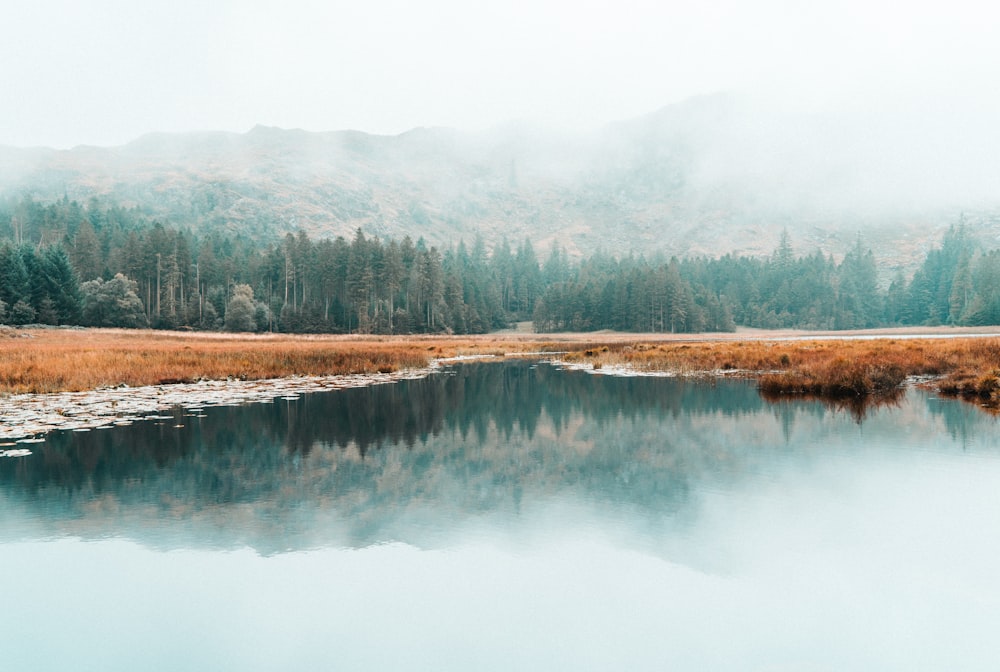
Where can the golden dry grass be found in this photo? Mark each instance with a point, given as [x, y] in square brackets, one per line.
[60, 360]
[50, 361]
[56, 360]
[832, 368]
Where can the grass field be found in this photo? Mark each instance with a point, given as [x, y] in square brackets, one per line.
[68, 360]
[830, 368]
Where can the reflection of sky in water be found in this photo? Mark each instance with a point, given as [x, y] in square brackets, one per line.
[652, 525]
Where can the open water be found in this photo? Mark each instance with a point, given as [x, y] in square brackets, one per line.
[510, 516]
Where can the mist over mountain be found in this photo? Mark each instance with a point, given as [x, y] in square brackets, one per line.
[711, 175]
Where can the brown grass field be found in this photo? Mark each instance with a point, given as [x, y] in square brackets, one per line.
[68, 360]
[833, 369]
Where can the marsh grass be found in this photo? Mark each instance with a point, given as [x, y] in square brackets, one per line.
[67, 360]
[968, 367]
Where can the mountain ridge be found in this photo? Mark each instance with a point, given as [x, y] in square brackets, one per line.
[700, 177]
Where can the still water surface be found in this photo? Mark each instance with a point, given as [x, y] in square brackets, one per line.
[510, 516]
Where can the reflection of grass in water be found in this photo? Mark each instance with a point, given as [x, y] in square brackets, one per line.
[857, 406]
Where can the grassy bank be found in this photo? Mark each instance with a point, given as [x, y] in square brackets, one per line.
[58, 360]
[61, 360]
[969, 367]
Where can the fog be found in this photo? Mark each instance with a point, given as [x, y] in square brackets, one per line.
[550, 119]
[108, 71]
[904, 153]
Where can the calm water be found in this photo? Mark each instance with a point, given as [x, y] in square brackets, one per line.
[510, 517]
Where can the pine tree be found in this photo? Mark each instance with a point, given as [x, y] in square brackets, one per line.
[14, 282]
[62, 287]
[86, 252]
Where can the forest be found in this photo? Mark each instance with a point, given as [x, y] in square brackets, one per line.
[102, 264]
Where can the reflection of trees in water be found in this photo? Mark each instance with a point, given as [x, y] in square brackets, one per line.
[472, 399]
[960, 417]
[473, 439]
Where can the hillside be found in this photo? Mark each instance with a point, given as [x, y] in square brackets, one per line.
[700, 177]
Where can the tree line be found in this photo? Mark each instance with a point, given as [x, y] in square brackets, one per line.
[101, 264]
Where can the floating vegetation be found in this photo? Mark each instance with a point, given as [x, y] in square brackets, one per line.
[35, 414]
[16, 452]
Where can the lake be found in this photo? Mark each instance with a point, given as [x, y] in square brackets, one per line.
[510, 516]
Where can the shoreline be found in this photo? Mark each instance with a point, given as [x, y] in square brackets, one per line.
[30, 416]
[184, 373]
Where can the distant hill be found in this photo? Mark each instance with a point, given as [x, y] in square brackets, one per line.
[711, 175]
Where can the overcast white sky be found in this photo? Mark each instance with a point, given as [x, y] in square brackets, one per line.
[106, 71]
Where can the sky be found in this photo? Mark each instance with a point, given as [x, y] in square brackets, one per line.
[104, 72]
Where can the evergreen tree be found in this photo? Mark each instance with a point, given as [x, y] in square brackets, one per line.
[61, 286]
[86, 252]
[14, 281]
